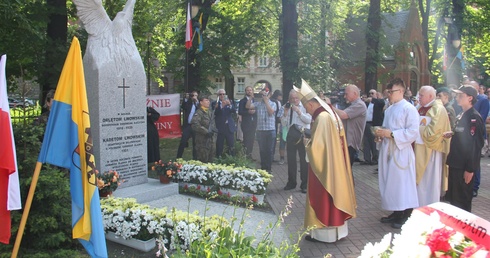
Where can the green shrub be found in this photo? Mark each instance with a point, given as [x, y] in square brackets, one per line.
[240, 159]
[48, 231]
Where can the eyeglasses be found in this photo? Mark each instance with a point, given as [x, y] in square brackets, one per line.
[391, 91]
[220, 94]
[371, 93]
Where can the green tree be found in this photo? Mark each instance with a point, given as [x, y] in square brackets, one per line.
[23, 37]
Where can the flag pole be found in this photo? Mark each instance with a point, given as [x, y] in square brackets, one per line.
[186, 90]
[27, 208]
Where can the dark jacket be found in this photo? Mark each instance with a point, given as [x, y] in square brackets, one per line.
[249, 121]
[467, 142]
[224, 119]
[378, 113]
[186, 109]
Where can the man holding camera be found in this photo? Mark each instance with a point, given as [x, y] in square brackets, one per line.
[266, 128]
[354, 119]
[249, 120]
[224, 123]
[296, 118]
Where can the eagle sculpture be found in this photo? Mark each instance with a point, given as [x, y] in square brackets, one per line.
[109, 42]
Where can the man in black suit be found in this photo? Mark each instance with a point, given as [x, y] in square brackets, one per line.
[249, 121]
[189, 107]
[374, 117]
[223, 110]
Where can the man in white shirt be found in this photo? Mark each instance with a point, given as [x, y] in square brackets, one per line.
[396, 156]
[295, 115]
[374, 117]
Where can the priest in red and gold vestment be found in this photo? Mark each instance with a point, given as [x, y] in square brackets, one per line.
[330, 200]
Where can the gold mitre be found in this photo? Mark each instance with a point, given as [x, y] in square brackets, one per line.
[305, 93]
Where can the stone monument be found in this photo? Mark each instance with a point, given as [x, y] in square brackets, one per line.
[115, 80]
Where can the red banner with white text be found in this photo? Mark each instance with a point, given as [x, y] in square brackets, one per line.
[168, 105]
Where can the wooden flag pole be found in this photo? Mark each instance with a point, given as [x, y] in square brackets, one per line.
[27, 208]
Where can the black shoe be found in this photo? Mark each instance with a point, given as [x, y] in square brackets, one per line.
[303, 190]
[392, 217]
[289, 187]
[475, 193]
[398, 223]
[366, 163]
[387, 219]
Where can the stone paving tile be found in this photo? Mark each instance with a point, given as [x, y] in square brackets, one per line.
[366, 227]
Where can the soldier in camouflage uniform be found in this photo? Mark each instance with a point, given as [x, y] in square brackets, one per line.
[204, 136]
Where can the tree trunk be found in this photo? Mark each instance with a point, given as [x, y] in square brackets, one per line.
[425, 22]
[289, 45]
[229, 79]
[433, 54]
[323, 41]
[372, 40]
[56, 48]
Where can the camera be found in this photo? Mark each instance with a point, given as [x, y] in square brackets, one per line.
[287, 105]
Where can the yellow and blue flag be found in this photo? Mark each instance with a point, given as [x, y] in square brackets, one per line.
[68, 143]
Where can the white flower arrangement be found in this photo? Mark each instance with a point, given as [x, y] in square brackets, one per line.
[425, 236]
[129, 219]
[244, 179]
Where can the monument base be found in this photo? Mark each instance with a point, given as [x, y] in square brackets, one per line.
[330, 234]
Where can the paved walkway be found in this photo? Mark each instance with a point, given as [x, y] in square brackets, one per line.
[366, 227]
[363, 229]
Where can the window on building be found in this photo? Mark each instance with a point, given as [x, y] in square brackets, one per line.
[241, 84]
[218, 83]
[263, 61]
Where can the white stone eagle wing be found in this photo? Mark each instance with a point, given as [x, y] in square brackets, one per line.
[93, 16]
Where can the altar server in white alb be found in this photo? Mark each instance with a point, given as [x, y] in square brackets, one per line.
[431, 148]
[396, 156]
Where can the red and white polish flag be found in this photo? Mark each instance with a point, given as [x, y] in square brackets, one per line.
[9, 177]
[188, 28]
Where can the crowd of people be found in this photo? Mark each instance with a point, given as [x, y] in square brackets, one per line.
[427, 147]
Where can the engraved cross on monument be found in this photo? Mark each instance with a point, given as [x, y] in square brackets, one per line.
[124, 87]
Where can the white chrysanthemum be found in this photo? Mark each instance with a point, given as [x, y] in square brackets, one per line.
[412, 251]
[378, 249]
